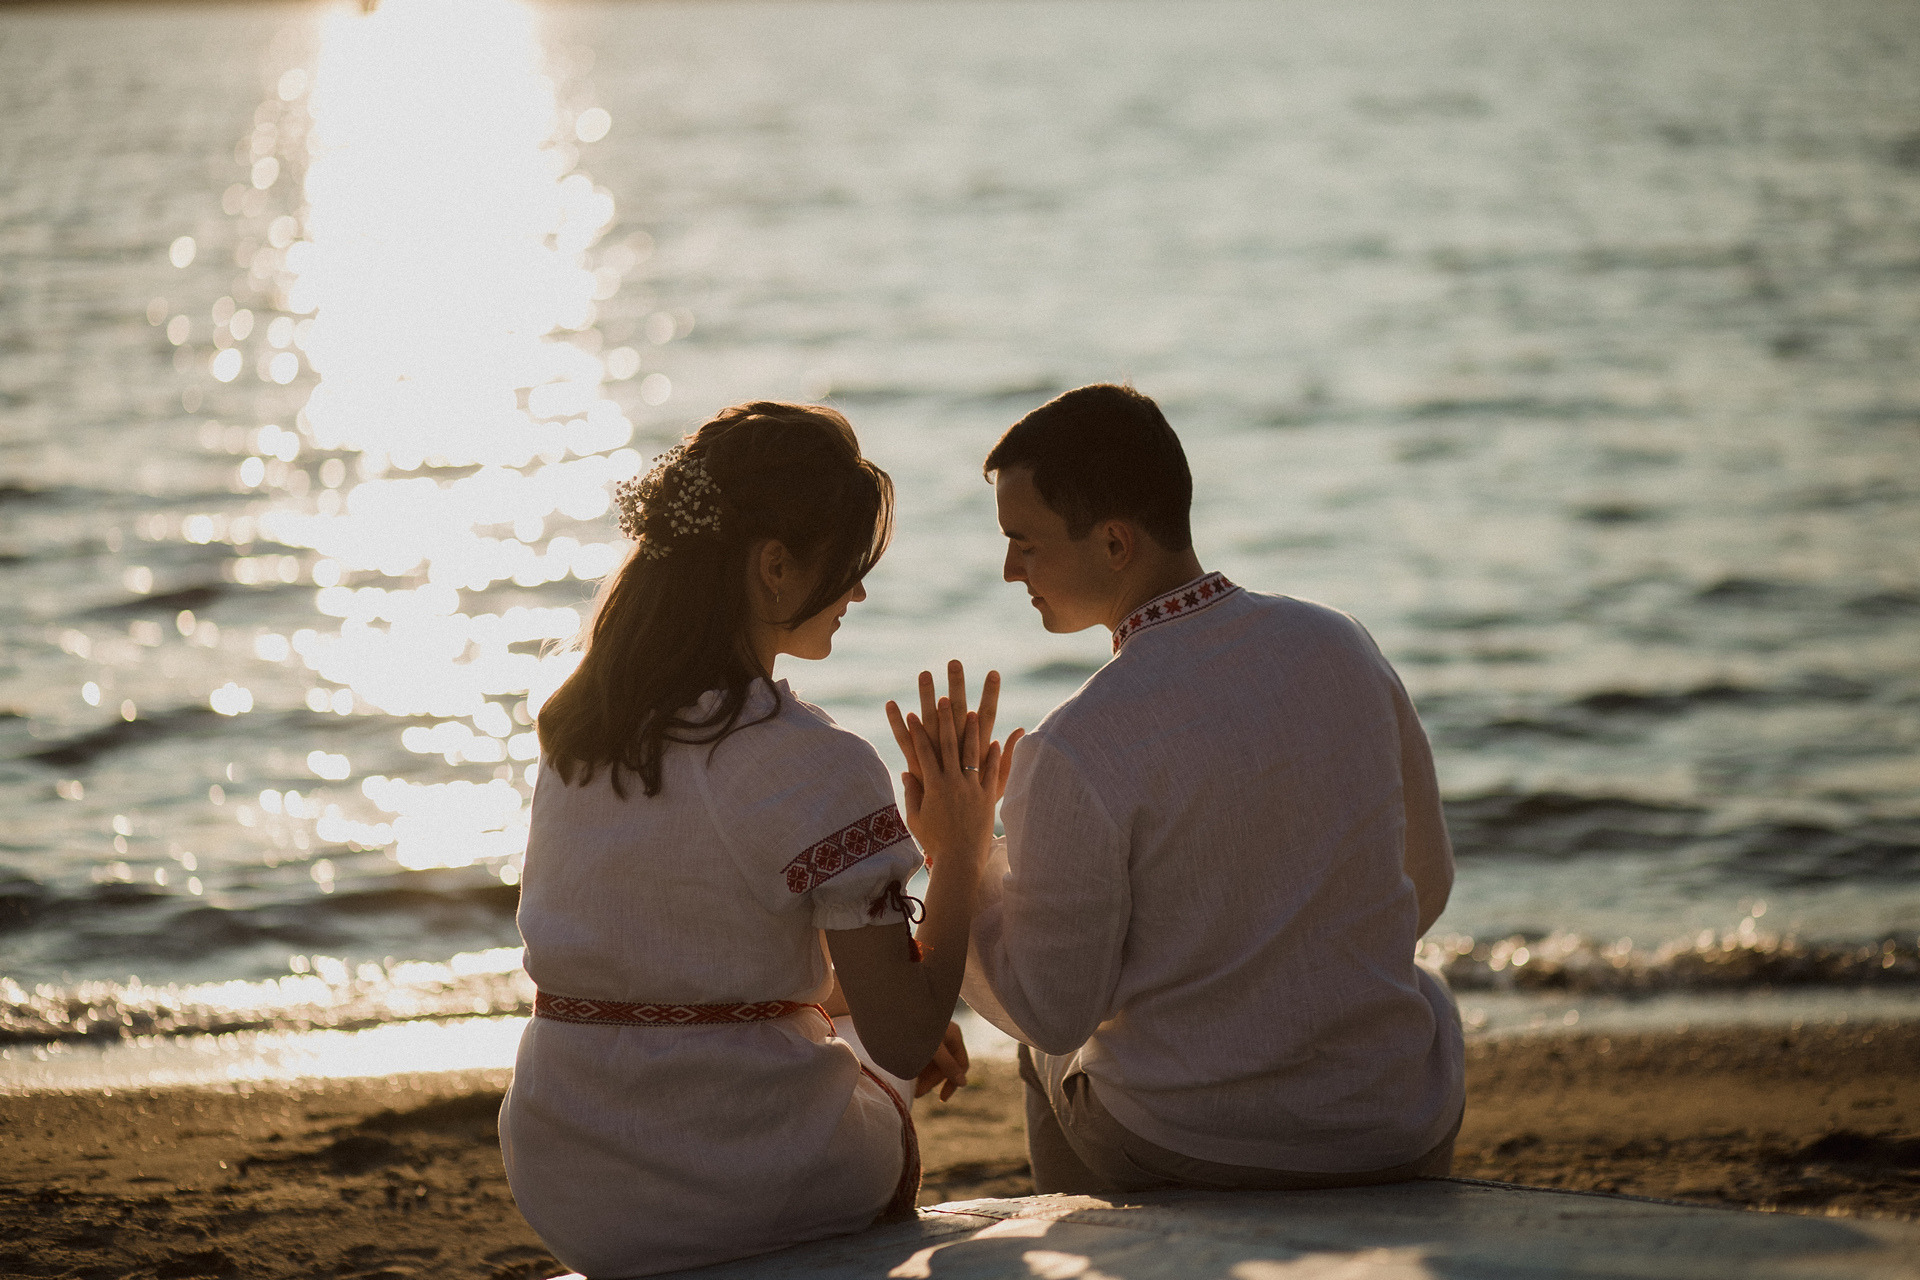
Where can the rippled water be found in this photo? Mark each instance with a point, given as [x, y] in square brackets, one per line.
[1572, 350]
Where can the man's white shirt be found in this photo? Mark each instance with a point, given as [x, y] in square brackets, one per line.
[1220, 853]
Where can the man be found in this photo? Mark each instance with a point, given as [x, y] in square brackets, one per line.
[1220, 854]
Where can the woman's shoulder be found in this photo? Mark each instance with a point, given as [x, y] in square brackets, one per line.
[804, 799]
[798, 733]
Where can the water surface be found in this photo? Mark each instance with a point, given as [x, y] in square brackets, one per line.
[1573, 351]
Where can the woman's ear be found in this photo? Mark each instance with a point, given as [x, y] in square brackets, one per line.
[773, 568]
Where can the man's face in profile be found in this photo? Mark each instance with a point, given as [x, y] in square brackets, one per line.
[1067, 578]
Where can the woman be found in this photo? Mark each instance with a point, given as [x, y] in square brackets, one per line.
[698, 835]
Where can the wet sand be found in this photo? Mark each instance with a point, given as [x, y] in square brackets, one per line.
[400, 1177]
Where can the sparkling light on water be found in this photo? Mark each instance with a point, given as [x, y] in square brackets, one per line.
[431, 284]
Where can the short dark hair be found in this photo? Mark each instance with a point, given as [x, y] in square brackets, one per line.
[1103, 452]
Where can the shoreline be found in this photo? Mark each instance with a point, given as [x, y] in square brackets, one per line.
[400, 1175]
[439, 1044]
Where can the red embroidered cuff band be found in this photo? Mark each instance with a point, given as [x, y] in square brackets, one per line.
[881, 829]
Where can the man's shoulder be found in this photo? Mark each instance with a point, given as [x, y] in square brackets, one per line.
[1175, 660]
[1084, 724]
[1300, 615]
[1075, 709]
[1247, 617]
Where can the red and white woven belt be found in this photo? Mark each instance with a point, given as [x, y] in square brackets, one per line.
[625, 1013]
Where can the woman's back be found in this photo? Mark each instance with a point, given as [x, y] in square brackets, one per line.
[706, 892]
[701, 842]
[636, 1147]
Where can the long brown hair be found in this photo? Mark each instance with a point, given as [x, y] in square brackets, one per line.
[666, 630]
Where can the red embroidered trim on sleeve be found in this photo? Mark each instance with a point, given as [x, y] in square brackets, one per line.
[879, 830]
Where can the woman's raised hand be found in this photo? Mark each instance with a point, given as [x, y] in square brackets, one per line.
[955, 772]
[956, 697]
[955, 776]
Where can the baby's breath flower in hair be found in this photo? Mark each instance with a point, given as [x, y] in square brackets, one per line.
[675, 500]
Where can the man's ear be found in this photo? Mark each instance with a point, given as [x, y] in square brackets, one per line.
[1120, 541]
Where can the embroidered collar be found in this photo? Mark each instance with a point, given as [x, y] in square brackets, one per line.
[1178, 603]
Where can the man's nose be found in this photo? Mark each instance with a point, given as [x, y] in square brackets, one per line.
[1011, 570]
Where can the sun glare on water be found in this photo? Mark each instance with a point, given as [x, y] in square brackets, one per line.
[440, 289]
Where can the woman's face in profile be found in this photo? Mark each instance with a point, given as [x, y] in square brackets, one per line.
[813, 639]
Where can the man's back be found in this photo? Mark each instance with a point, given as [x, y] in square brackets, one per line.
[1222, 850]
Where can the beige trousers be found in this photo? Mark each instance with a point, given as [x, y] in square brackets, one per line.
[1075, 1145]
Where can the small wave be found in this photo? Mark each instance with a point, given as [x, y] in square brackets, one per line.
[1841, 497]
[1747, 591]
[1896, 415]
[1518, 407]
[1619, 715]
[1036, 391]
[1463, 620]
[1669, 257]
[143, 922]
[180, 929]
[1689, 133]
[1644, 703]
[1618, 513]
[1885, 604]
[1445, 103]
[25, 902]
[85, 748]
[1429, 448]
[1517, 728]
[1033, 391]
[325, 994]
[1790, 854]
[852, 393]
[1807, 686]
[21, 902]
[1742, 960]
[1507, 728]
[198, 596]
[420, 900]
[1556, 824]
[11, 493]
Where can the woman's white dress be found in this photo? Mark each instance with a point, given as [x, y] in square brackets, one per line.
[639, 1149]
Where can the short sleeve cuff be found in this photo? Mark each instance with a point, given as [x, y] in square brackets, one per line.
[850, 872]
[858, 915]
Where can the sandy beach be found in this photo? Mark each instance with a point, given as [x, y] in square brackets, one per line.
[399, 1177]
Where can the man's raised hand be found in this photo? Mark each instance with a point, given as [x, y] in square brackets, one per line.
[1002, 761]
